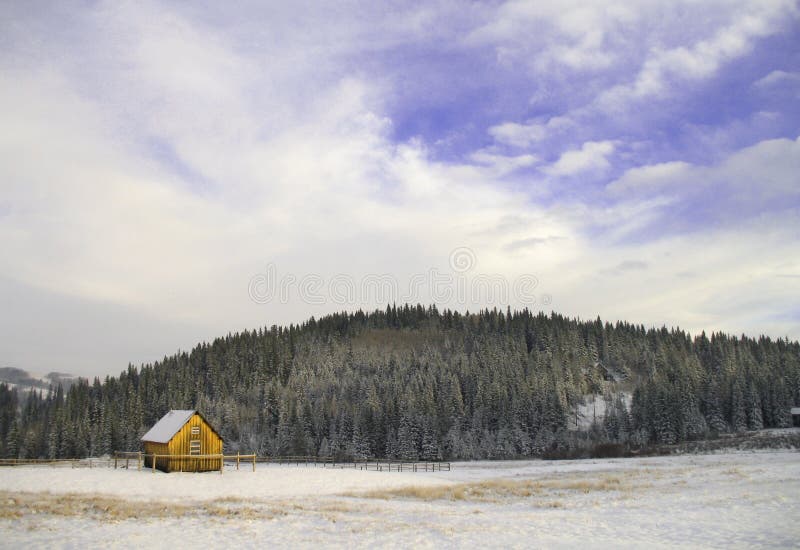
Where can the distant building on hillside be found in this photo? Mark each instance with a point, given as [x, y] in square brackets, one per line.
[177, 438]
[796, 416]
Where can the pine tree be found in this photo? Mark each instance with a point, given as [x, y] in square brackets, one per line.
[665, 421]
[408, 439]
[360, 444]
[12, 441]
[430, 446]
[738, 413]
[543, 442]
[324, 448]
[714, 417]
[755, 419]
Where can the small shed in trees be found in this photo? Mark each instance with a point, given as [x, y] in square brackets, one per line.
[177, 437]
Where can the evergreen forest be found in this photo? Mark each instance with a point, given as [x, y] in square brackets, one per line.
[416, 383]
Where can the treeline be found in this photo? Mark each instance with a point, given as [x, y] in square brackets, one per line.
[415, 383]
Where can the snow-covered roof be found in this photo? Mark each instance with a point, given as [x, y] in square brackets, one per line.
[168, 426]
[795, 410]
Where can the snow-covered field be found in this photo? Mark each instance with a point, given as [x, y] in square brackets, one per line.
[723, 501]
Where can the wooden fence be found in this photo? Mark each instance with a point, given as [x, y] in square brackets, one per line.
[139, 458]
[127, 460]
[72, 462]
[375, 464]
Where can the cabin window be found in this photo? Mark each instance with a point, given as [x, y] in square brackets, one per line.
[195, 430]
[194, 447]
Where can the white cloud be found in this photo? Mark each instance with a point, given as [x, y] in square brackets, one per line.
[501, 165]
[593, 155]
[310, 182]
[556, 35]
[650, 177]
[525, 135]
[704, 58]
[752, 175]
[722, 279]
[518, 135]
[753, 187]
[778, 78]
[155, 169]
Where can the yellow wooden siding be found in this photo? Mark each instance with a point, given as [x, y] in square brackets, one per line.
[210, 444]
[151, 448]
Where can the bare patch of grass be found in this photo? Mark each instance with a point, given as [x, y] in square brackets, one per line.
[588, 485]
[337, 507]
[18, 505]
[23, 504]
[8, 509]
[496, 489]
[553, 504]
[241, 512]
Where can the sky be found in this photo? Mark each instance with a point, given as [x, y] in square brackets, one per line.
[171, 172]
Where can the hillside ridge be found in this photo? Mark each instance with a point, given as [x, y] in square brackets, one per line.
[413, 382]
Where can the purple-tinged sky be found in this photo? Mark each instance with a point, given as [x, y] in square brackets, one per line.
[162, 164]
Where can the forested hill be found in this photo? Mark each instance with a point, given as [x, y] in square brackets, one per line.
[413, 382]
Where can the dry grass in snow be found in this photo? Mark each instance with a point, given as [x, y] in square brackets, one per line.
[495, 490]
[728, 500]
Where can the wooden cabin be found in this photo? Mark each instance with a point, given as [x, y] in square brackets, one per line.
[179, 435]
[795, 416]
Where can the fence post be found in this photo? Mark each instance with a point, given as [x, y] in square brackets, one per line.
[154, 462]
[237, 461]
[139, 461]
[221, 463]
[115, 460]
[254, 462]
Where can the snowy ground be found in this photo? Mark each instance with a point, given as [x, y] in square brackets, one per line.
[723, 501]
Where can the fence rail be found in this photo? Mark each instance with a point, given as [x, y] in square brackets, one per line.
[377, 464]
[154, 458]
[122, 459]
[72, 462]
